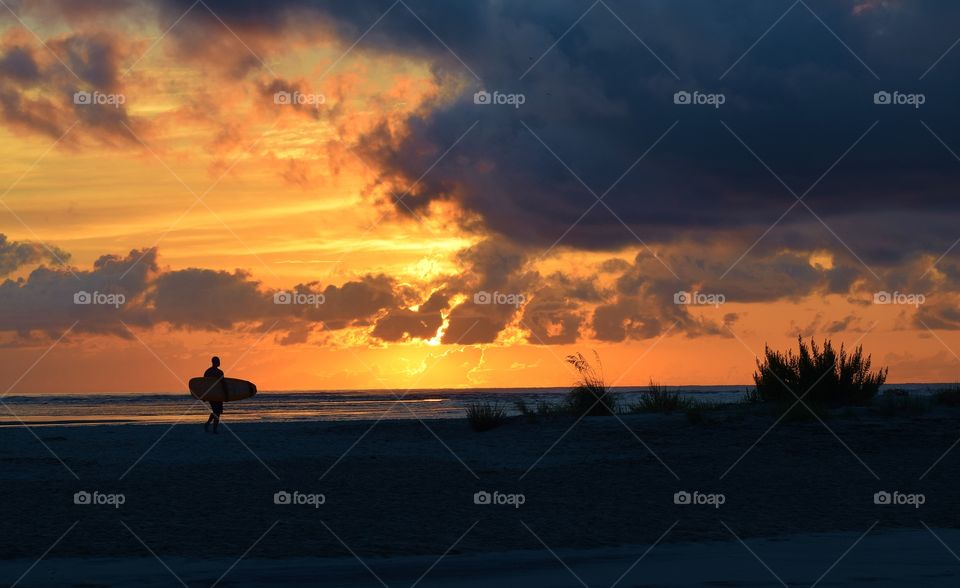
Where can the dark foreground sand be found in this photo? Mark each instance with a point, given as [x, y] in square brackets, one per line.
[400, 495]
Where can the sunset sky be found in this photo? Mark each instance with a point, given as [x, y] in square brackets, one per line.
[204, 160]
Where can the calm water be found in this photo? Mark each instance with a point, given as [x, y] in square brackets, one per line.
[79, 409]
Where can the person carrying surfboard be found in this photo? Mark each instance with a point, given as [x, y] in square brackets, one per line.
[216, 408]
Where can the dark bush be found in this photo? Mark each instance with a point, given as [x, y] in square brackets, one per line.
[658, 399]
[822, 376]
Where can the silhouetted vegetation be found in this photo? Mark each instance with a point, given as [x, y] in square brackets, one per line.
[484, 416]
[542, 409]
[590, 396]
[822, 376]
[656, 398]
[751, 396]
[948, 396]
[898, 402]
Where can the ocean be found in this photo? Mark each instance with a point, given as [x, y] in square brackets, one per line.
[149, 408]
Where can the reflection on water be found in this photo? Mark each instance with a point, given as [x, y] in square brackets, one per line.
[78, 409]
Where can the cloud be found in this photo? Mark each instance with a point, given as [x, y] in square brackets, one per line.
[402, 324]
[695, 201]
[552, 322]
[405, 324]
[939, 312]
[135, 291]
[848, 323]
[51, 300]
[799, 102]
[599, 99]
[39, 87]
[70, 12]
[17, 254]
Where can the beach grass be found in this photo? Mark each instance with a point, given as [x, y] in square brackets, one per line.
[542, 409]
[485, 416]
[898, 402]
[948, 396]
[590, 395]
[658, 399]
[822, 378]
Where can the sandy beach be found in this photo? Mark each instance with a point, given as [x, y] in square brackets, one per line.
[391, 499]
[800, 560]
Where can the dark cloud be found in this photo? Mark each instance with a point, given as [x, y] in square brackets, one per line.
[74, 13]
[552, 322]
[495, 282]
[17, 254]
[403, 324]
[599, 100]
[939, 311]
[135, 290]
[17, 63]
[204, 299]
[51, 300]
[849, 323]
[646, 316]
[472, 324]
[39, 90]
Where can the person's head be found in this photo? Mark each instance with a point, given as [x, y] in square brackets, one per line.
[215, 361]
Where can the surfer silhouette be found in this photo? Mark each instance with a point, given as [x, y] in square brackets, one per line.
[216, 408]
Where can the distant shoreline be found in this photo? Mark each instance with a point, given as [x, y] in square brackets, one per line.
[169, 408]
[449, 390]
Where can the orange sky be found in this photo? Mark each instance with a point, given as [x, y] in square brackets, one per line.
[287, 198]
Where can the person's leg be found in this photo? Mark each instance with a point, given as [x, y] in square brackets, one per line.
[216, 422]
[206, 427]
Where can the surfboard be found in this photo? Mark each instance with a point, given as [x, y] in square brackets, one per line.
[212, 390]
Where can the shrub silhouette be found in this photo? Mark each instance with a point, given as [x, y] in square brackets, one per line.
[948, 396]
[590, 395]
[658, 399]
[821, 376]
[484, 416]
